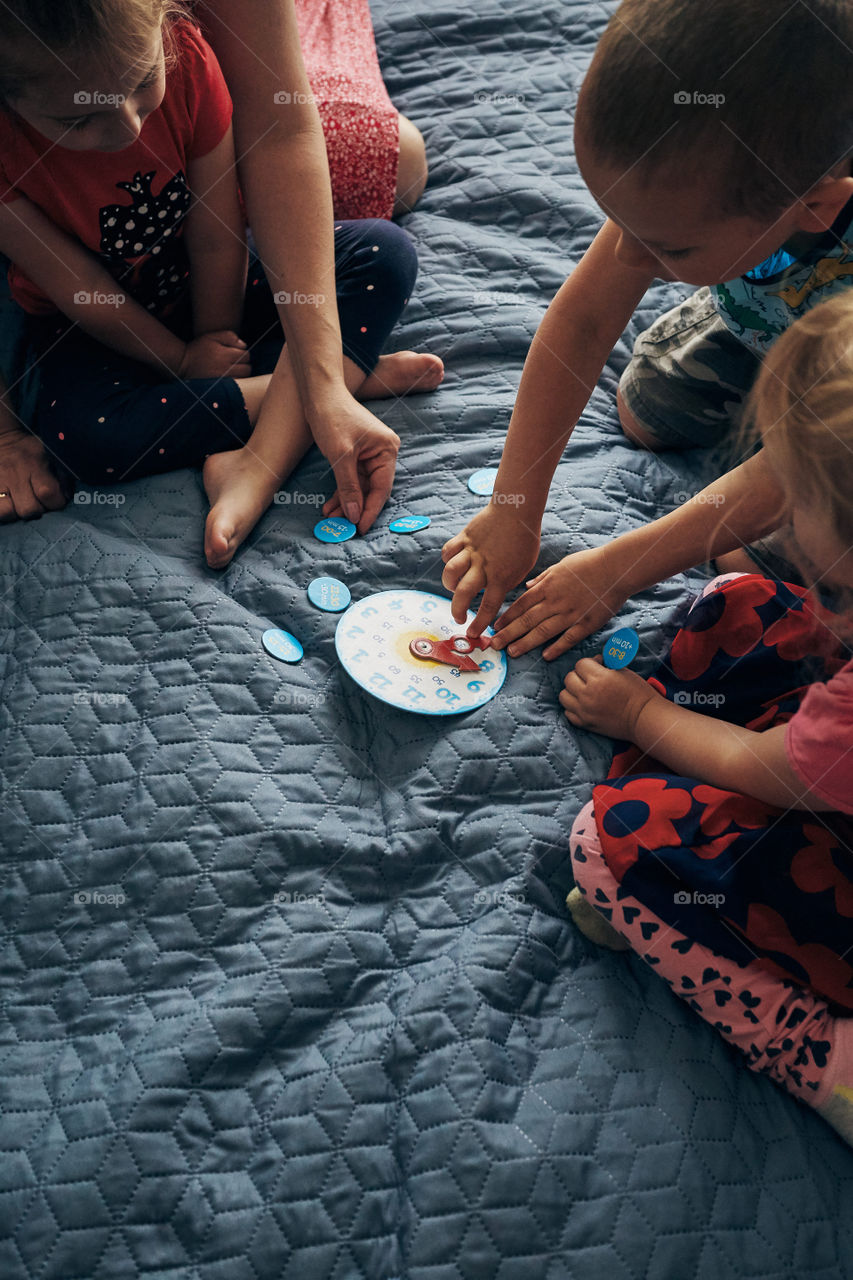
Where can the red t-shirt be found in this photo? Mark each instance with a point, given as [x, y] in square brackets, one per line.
[126, 206]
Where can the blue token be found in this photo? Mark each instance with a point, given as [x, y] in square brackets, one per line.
[282, 645]
[334, 529]
[621, 648]
[409, 524]
[329, 594]
[483, 481]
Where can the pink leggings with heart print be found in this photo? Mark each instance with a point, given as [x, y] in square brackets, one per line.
[785, 1031]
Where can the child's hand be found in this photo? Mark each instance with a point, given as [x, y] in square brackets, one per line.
[575, 596]
[216, 355]
[605, 701]
[494, 551]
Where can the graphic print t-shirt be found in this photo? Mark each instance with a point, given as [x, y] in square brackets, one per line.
[127, 207]
[763, 303]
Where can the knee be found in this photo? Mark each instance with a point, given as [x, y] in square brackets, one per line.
[412, 169]
[394, 262]
[631, 429]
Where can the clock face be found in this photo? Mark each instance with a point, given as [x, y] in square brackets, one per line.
[373, 638]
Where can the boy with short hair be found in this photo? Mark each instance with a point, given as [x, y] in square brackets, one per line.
[717, 140]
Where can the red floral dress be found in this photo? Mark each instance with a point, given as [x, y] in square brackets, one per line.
[359, 123]
[742, 877]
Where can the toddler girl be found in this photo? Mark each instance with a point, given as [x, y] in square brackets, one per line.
[721, 845]
[120, 212]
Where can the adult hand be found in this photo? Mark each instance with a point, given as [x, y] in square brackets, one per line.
[492, 554]
[216, 355]
[362, 452]
[28, 486]
[575, 596]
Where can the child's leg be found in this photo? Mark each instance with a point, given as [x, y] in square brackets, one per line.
[107, 418]
[785, 1031]
[376, 268]
[686, 382]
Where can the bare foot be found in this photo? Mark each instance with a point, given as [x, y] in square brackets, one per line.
[239, 488]
[401, 374]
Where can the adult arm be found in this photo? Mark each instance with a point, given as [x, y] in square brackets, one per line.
[284, 176]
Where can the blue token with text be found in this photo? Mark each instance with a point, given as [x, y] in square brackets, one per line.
[329, 594]
[409, 524]
[621, 648]
[282, 645]
[483, 481]
[334, 529]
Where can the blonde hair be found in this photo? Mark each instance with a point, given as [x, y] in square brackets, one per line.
[33, 33]
[802, 403]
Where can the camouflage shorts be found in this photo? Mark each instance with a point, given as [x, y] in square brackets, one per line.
[688, 377]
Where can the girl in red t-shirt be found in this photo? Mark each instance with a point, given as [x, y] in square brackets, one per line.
[120, 212]
[721, 845]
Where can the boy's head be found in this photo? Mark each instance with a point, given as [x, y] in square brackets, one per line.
[85, 74]
[718, 128]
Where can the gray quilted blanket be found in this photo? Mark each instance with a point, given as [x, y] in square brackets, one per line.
[289, 985]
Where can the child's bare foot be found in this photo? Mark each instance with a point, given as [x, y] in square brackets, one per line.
[239, 487]
[402, 373]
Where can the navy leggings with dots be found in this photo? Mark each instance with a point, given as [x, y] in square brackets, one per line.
[108, 418]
